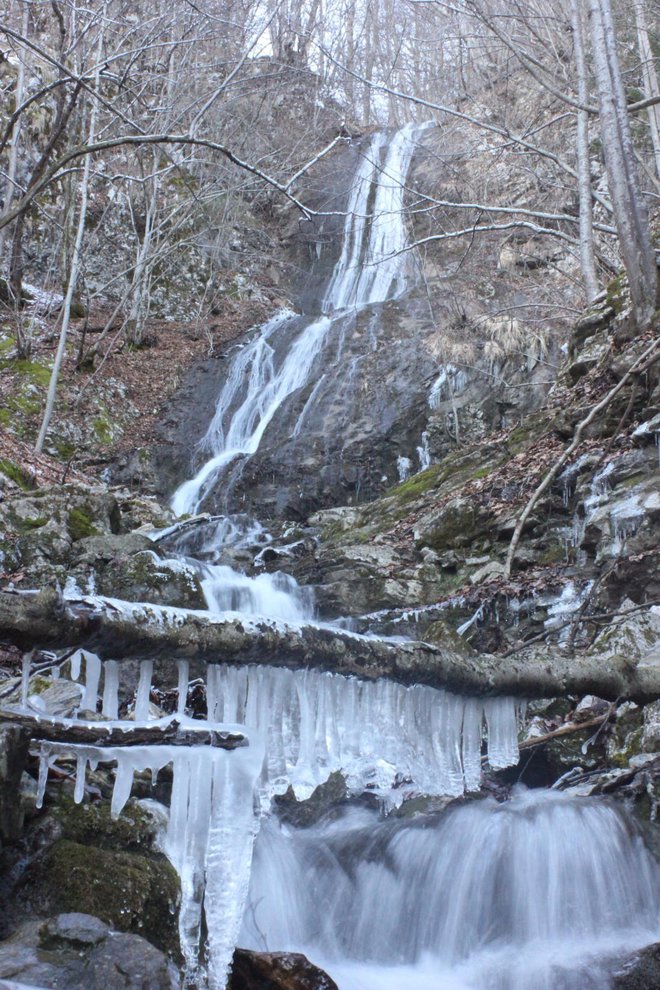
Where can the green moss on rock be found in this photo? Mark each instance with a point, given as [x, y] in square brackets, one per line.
[79, 524]
[16, 474]
[92, 824]
[130, 892]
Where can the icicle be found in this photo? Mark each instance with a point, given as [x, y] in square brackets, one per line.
[144, 690]
[25, 680]
[183, 667]
[229, 855]
[317, 723]
[472, 722]
[92, 678]
[75, 664]
[81, 768]
[44, 766]
[502, 732]
[111, 689]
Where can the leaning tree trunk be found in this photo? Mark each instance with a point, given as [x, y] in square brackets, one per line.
[630, 214]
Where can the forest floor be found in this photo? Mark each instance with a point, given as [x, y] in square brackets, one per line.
[107, 405]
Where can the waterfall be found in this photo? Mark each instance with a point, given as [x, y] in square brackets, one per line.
[516, 896]
[532, 894]
[372, 268]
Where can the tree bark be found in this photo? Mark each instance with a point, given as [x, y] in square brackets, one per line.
[587, 253]
[79, 732]
[630, 212]
[149, 631]
[650, 78]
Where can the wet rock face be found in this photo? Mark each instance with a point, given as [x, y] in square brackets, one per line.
[80, 952]
[393, 384]
[642, 972]
[277, 971]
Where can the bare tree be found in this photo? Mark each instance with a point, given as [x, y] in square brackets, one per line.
[630, 213]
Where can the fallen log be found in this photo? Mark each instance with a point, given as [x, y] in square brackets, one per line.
[122, 630]
[169, 732]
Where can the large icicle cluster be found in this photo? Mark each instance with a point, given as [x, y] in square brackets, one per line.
[376, 732]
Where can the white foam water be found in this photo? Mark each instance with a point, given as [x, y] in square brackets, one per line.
[536, 893]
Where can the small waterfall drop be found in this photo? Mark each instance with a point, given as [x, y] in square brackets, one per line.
[532, 894]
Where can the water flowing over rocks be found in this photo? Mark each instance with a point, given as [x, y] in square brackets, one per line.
[351, 678]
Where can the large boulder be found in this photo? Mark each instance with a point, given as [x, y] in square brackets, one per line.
[80, 952]
[641, 972]
[106, 868]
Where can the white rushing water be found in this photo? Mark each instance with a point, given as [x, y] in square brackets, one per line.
[372, 267]
[531, 894]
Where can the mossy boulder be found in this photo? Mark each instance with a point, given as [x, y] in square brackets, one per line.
[132, 892]
[92, 824]
[458, 523]
[47, 523]
[145, 577]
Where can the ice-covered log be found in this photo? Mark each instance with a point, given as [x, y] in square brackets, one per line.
[118, 630]
[169, 731]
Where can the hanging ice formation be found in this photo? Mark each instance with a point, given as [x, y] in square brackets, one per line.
[301, 726]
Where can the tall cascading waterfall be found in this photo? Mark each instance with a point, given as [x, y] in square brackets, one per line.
[373, 267]
[488, 898]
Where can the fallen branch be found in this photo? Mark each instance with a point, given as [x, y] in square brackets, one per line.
[161, 633]
[160, 732]
[565, 730]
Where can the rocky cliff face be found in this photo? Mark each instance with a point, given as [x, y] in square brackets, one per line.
[399, 384]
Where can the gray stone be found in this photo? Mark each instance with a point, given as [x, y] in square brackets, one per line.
[641, 972]
[81, 929]
[126, 962]
[79, 952]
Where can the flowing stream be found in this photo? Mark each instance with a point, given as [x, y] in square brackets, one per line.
[532, 894]
[535, 893]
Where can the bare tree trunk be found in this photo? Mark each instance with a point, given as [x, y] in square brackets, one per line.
[15, 140]
[75, 259]
[587, 254]
[625, 189]
[650, 78]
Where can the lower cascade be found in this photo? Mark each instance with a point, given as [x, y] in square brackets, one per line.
[531, 894]
[281, 728]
